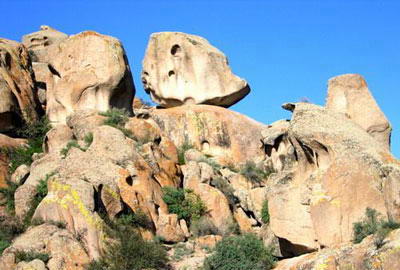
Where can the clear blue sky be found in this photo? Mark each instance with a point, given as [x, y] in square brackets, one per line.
[285, 49]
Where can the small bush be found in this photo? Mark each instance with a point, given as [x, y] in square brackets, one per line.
[117, 118]
[128, 250]
[254, 173]
[372, 225]
[222, 184]
[181, 151]
[8, 194]
[216, 167]
[8, 231]
[181, 251]
[35, 133]
[88, 139]
[28, 256]
[244, 252]
[265, 213]
[183, 202]
[3, 245]
[70, 144]
[203, 226]
[138, 219]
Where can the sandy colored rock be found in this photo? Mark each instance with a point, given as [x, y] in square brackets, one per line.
[208, 241]
[243, 220]
[337, 175]
[179, 68]
[83, 78]
[7, 142]
[17, 88]
[219, 132]
[216, 203]
[20, 174]
[356, 257]
[349, 94]
[32, 265]
[38, 42]
[57, 138]
[65, 252]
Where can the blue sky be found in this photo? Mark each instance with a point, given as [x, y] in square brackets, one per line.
[286, 50]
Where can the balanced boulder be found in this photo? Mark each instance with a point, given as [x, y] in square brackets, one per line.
[179, 68]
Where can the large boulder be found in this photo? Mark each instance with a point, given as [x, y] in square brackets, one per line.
[38, 42]
[227, 135]
[337, 170]
[349, 94]
[90, 71]
[179, 68]
[18, 97]
[64, 250]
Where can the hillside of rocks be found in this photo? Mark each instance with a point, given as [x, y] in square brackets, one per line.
[92, 177]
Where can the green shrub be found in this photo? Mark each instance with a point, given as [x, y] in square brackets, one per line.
[35, 133]
[372, 225]
[181, 151]
[254, 173]
[138, 219]
[117, 118]
[181, 251]
[244, 252]
[265, 213]
[28, 256]
[222, 184]
[3, 245]
[70, 144]
[216, 167]
[203, 226]
[88, 139]
[8, 194]
[183, 202]
[128, 250]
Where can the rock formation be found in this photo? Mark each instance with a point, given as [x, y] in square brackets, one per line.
[18, 99]
[349, 94]
[187, 176]
[179, 68]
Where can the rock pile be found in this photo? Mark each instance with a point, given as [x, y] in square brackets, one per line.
[191, 174]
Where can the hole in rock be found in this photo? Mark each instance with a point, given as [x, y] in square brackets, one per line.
[175, 49]
[171, 73]
[129, 180]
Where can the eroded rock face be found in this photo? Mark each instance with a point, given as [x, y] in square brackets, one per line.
[65, 252]
[365, 255]
[227, 135]
[83, 78]
[336, 172]
[349, 94]
[17, 88]
[38, 42]
[179, 68]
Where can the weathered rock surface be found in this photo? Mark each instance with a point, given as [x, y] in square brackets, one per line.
[38, 42]
[349, 94]
[181, 69]
[338, 172]
[65, 252]
[7, 142]
[83, 78]
[356, 257]
[219, 132]
[18, 97]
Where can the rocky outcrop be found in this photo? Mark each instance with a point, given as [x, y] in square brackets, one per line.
[83, 78]
[222, 133]
[64, 251]
[38, 42]
[7, 143]
[181, 69]
[366, 255]
[338, 170]
[18, 99]
[349, 94]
